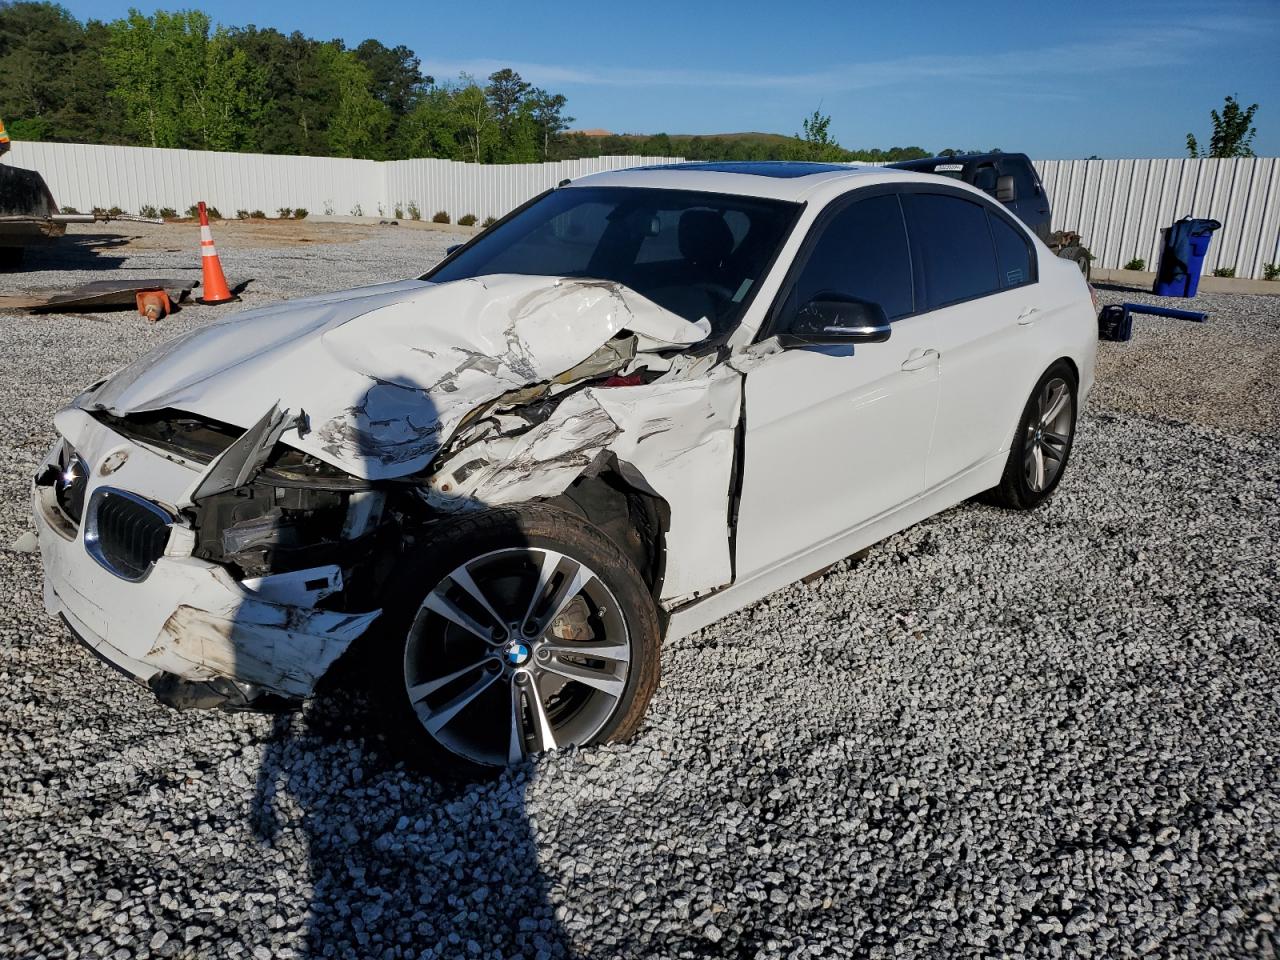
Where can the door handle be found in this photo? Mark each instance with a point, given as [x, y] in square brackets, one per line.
[1028, 315]
[919, 359]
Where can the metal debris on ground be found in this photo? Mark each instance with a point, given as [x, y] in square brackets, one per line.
[153, 298]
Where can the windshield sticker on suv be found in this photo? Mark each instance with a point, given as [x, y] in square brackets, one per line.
[1014, 276]
[948, 168]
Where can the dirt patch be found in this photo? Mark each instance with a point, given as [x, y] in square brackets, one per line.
[230, 234]
[1218, 374]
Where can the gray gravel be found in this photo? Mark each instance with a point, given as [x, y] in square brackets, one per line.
[1051, 734]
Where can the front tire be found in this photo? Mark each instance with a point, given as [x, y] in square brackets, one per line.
[512, 632]
[1042, 442]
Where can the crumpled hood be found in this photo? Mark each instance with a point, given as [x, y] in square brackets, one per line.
[385, 373]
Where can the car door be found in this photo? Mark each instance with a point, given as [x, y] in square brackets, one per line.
[837, 435]
[975, 274]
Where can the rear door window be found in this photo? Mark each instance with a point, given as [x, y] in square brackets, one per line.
[951, 248]
[862, 252]
[1013, 253]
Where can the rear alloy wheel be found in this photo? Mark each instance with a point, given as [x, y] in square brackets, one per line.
[1041, 443]
[535, 634]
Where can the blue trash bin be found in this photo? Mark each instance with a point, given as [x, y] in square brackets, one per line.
[1182, 258]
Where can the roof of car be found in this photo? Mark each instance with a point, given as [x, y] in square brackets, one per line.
[778, 179]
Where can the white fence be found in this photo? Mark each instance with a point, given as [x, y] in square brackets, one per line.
[1118, 206]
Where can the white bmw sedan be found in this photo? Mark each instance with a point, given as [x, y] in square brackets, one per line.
[639, 402]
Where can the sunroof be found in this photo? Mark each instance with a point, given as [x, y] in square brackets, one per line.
[783, 169]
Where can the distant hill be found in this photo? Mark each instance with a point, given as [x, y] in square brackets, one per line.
[751, 145]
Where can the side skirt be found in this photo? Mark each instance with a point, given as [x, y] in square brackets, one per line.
[694, 616]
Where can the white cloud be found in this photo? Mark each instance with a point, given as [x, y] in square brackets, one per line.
[1118, 48]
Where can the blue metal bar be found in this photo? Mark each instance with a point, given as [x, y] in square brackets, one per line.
[1169, 312]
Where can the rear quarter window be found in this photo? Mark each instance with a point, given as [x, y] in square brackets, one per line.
[1013, 253]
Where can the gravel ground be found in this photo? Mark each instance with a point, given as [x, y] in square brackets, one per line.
[1051, 734]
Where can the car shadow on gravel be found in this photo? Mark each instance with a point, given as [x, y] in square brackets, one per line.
[397, 862]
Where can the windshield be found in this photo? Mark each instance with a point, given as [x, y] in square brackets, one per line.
[696, 254]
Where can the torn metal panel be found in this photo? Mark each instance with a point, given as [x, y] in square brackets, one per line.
[240, 462]
[675, 434]
[272, 637]
[298, 587]
[282, 648]
[386, 374]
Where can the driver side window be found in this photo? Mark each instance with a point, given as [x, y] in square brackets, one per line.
[862, 253]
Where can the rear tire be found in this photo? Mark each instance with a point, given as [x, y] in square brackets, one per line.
[1080, 257]
[1041, 443]
[472, 616]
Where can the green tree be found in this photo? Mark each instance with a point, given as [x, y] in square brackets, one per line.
[547, 112]
[358, 121]
[432, 127]
[476, 124]
[816, 142]
[52, 76]
[140, 60]
[182, 84]
[1233, 132]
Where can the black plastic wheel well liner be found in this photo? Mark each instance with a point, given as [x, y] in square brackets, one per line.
[635, 519]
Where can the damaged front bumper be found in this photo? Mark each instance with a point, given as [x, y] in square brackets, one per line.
[182, 625]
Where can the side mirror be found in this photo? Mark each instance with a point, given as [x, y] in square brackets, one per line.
[1006, 192]
[830, 319]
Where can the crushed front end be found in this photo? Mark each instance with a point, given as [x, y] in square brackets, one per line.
[242, 595]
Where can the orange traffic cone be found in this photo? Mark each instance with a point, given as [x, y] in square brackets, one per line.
[213, 281]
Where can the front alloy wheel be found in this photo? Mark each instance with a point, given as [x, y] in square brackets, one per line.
[511, 632]
[515, 652]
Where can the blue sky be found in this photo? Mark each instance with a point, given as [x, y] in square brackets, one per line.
[1056, 80]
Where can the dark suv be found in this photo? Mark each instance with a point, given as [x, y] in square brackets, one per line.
[1012, 179]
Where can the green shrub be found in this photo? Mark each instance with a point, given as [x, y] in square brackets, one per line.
[284, 213]
[1271, 271]
[489, 221]
[214, 213]
[1224, 272]
[414, 212]
[398, 212]
[440, 217]
[299, 213]
[1137, 263]
[467, 220]
[115, 211]
[259, 215]
[193, 211]
[69, 210]
[242, 214]
[147, 210]
[357, 211]
[168, 213]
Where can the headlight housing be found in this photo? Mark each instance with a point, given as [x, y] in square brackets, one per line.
[68, 476]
